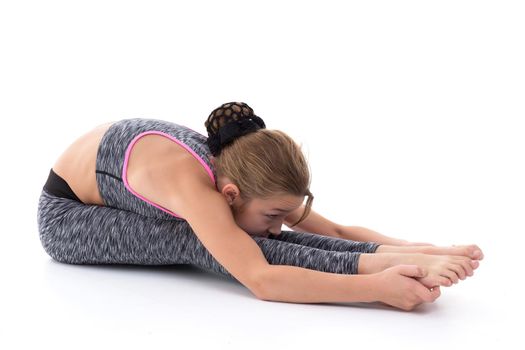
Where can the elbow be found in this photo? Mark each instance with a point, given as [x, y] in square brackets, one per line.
[260, 288]
[261, 296]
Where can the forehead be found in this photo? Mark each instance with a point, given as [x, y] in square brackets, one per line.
[286, 202]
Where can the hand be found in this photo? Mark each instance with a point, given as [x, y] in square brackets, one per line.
[398, 287]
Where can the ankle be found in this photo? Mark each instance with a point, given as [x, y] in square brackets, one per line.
[384, 248]
[372, 263]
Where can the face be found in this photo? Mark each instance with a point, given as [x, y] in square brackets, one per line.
[260, 217]
[263, 217]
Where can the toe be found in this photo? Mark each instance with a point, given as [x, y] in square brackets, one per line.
[474, 252]
[445, 282]
[477, 254]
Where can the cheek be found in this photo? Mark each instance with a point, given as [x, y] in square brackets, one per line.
[261, 223]
[252, 223]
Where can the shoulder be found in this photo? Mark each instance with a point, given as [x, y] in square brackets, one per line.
[167, 177]
[211, 219]
[187, 185]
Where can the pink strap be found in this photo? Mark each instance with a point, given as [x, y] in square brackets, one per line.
[126, 160]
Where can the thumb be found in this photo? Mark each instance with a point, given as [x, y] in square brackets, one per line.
[412, 271]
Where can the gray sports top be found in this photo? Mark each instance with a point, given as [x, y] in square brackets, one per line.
[113, 155]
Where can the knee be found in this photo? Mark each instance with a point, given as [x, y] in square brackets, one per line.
[53, 247]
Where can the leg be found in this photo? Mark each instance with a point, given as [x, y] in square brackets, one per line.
[472, 251]
[326, 243]
[75, 233]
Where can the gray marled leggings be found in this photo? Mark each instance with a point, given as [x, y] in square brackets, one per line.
[76, 233]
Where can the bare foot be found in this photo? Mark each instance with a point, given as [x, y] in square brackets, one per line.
[443, 270]
[440, 270]
[470, 251]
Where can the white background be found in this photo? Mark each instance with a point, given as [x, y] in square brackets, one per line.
[410, 113]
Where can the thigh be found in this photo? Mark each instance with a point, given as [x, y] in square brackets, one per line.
[78, 233]
[325, 242]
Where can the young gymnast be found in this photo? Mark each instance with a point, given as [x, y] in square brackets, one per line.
[152, 192]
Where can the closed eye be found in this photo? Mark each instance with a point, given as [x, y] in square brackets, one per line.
[272, 216]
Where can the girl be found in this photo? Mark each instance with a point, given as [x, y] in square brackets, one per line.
[151, 192]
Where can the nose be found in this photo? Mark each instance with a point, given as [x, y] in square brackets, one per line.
[276, 229]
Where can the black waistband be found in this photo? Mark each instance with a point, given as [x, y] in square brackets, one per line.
[58, 186]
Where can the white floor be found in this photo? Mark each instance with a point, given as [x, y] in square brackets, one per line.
[410, 114]
[56, 305]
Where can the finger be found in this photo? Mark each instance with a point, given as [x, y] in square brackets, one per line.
[423, 293]
[411, 271]
[435, 293]
[429, 282]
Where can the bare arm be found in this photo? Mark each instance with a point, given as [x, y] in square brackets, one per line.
[318, 224]
[297, 284]
[313, 223]
[300, 285]
[212, 221]
[394, 286]
[362, 234]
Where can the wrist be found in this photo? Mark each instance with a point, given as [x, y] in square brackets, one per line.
[362, 288]
[374, 288]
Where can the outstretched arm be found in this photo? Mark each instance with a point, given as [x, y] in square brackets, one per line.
[362, 234]
[316, 223]
[313, 223]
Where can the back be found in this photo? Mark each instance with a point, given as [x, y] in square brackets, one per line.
[210, 217]
[115, 150]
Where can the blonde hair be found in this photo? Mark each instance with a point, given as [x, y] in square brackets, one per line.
[262, 163]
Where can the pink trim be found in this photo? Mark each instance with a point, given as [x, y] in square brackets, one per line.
[126, 160]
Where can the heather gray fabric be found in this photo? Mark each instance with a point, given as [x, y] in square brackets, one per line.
[129, 230]
[111, 154]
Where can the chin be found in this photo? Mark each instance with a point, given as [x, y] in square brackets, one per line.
[258, 234]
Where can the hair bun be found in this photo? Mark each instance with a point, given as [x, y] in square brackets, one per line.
[230, 121]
